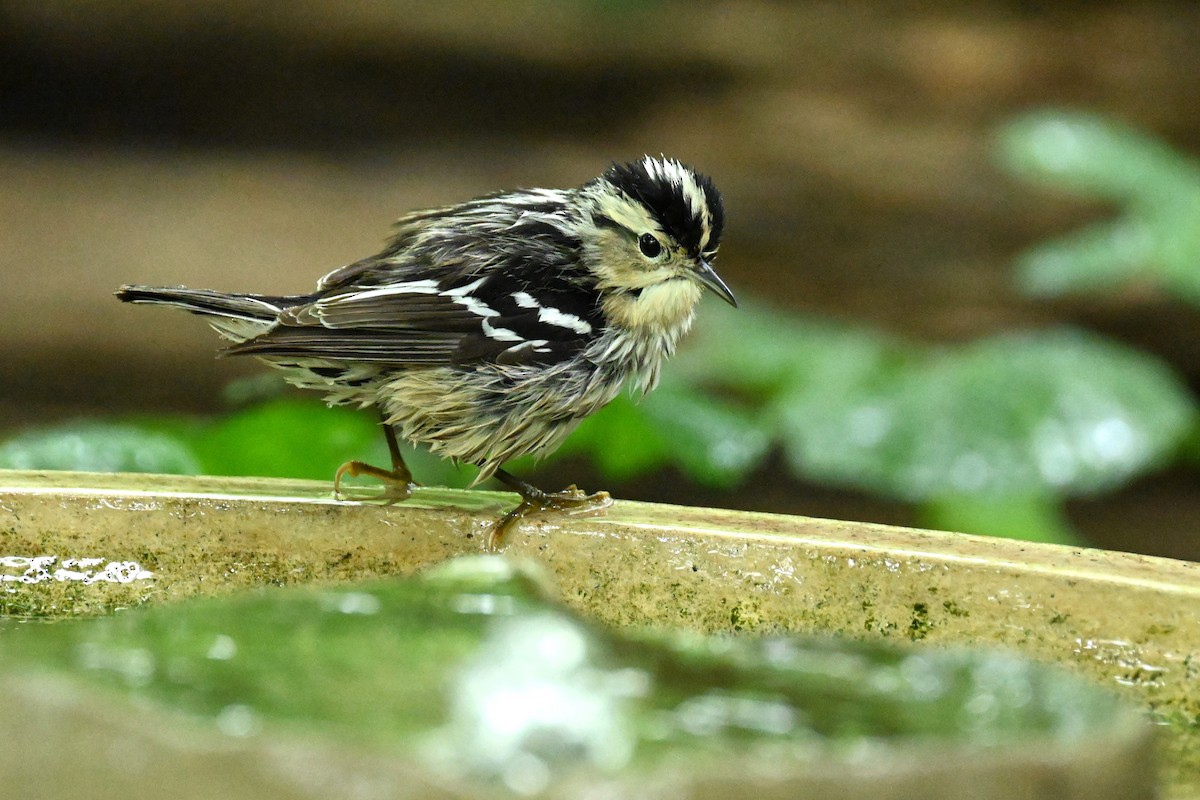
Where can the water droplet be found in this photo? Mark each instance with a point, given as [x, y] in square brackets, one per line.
[237, 720]
[350, 603]
[223, 648]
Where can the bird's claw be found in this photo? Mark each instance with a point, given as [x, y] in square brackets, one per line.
[397, 483]
[571, 500]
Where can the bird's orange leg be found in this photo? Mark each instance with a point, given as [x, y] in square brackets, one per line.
[398, 481]
[534, 500]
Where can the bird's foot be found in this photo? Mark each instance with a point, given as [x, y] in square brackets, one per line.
[397, 483]
[571, 500]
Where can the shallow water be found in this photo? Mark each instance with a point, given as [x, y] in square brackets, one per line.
[475, 673]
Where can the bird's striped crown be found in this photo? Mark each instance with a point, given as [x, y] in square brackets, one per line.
[685, 203]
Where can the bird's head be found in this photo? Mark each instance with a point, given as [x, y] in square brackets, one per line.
[657, 227]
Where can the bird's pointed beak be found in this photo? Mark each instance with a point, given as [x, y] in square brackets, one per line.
[709, 278]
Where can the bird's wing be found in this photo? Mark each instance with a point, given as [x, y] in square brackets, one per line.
[436, 242]
[387, 265]
[427, 322]
[494, 279]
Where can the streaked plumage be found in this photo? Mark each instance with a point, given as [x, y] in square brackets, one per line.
[488, 330]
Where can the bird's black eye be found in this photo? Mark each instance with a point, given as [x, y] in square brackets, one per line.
[649, 246]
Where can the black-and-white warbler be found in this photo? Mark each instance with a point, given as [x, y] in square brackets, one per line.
[488, 330]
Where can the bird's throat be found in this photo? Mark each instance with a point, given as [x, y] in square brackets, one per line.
[663, 309]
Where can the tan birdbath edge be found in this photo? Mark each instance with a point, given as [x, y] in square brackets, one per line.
[76, 543]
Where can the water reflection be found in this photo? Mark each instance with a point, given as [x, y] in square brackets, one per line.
[349, 602]
[534, 696]
[39, 569]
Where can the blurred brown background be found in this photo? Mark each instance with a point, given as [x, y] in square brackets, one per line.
[253, 145]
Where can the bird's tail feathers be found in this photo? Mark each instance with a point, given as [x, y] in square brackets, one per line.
[248, 307]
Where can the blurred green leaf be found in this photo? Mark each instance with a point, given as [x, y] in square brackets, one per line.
[1094, 156]
[715, 442]
[1176, 230]
[1189, 448]
[1018, 415]
[761, 351]
[1097, 258]
[290, 438]
[99, 447]
[1158, 235]
[620, 440]
[1036, 518]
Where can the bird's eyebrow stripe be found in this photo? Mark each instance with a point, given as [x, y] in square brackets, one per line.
[605, 221]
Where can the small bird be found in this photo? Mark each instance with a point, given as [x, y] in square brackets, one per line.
[490, 329]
